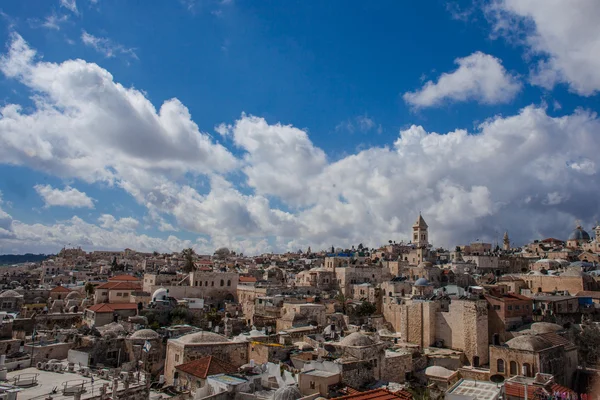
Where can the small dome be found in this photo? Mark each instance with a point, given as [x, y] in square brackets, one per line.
[147, 334]
[287, 393]
[421, 282]
[572, 272]
[356, 339]
[438, 372]
[579, 234]
[73, 295]
[160, 294]
[10, 293]
[528, 343]
[544, 327]
[203, 337]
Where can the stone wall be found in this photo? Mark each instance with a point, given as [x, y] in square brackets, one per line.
[396, 366]
[417, 322]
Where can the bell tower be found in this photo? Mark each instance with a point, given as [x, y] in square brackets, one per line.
[420, 235]
[506, 242]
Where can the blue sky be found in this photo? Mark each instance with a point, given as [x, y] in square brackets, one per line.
[291, 124]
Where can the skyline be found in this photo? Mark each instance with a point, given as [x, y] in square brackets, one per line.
[263, 128]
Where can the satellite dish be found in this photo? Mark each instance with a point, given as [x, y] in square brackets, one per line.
[497, 378]
[329, 348]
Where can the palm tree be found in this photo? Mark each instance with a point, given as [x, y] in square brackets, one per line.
[188, 255]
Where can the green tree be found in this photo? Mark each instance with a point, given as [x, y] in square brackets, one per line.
[89, 288]
[188, 255]
[587, 340]
[365, 308]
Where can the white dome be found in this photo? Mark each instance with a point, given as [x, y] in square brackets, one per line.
[287, 393]
[357, 339]
[160, 294]
[203, 337]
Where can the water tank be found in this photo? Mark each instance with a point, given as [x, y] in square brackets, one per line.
[161, 379]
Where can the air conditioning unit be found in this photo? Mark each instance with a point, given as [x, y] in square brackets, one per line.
[40, 365]
[47, 367]
[57, 367]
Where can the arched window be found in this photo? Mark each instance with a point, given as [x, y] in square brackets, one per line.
[527, 369]
[514, 368]
[228, 282]
[500, 365]
[222, 282]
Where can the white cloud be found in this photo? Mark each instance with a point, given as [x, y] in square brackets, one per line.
[68, 197]
[108, 221]
[479, 77]
[362, 124]
[106, 47]
[502, 176]
[566, 34]
[70, 5]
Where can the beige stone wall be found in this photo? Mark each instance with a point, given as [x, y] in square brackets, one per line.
[395, 368]
[235, 353]
[392, 313]
[549, 283]
[417, 324]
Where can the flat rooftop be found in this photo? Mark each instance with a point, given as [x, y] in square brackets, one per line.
[479, 390]
[320, 373]
[48, 381]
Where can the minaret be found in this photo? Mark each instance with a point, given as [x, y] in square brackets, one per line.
[420, 238]
[506, 242]
[597, 232]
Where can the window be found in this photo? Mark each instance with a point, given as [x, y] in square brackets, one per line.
[496, 307]
[312, 384]
[510, 308]
[222, 282]
[119, 294]
[176, 358]
[500, 365]
[527, 369]
[228, 282]
[514, 368]
[212, 283]
[517, 307]
[112, 354]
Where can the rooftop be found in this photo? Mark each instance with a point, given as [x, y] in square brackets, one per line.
[476, 390]
[120, 286]
[378, 394]
[206, 366]
[106, 307]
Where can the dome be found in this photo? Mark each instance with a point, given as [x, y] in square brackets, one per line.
[160, 294]
[579, 234]
[528, 343]
[203, 337]
[287, 393]
[73, 295]
[147, 334]
[544, 327]
[357, 339]
[10, 293]
[572, 272]
[422, 282]
[438, 372]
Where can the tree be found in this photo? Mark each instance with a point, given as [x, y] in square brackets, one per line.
[89, 288]
[188, 255]
[222, 253]
[360, 246]
[365, 308]
[587, 341]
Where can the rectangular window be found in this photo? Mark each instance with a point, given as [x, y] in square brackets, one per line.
[517, 307]
[119, 294]
[176, 357]
[510, 308]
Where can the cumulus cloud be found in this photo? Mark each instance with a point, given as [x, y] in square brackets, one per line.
[564, 34]
[479, 77]
[68, 197]
[106, 47]
[108, 221]
[529, 173]
[70, 5]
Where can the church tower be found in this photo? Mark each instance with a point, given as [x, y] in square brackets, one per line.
[506, 242]
[420, 235]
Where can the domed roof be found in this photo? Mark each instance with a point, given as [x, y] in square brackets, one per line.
[528, 343]
[203, 337]
[421, 282]
[579, 234]
[356, 339]
[287, 393]
[73, 295]
[160, 294]
[147, 334]
[545, 327]
[10, 293]
[438, 371]
[572, 272]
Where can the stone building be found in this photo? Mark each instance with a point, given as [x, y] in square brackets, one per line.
[152, 357]
[527, 355]
[116, 292]
[362, 359]
[507, 312]
[297, 315]
[11, 301]
[578, 238]
[572, 280]
[318, 277]
[192, 375]
[104, 313]
[195, 345]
